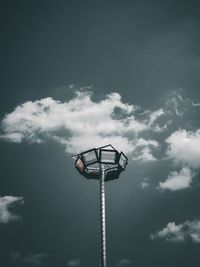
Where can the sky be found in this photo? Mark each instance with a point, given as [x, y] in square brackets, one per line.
[81, 74]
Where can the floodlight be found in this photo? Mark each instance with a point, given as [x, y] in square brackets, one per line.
[112, 172]
[108, 156]
[123, 160]
[89, 157]
[79, 164]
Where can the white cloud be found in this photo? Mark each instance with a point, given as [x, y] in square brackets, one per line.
[145, 183]
[195, 104]
[35, 259]
[155, 115]
[124, 262]
[74, 262]
[81, 122]
[177, 180]
[143, 149]
[31, 259]
[145, 154]
[15, 256]
[188, 230]
[183, 147]
[176, 104]
[171, 232]
[6, 202]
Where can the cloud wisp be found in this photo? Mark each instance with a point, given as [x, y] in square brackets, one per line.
[188, 230]
[124, 262]
[145, 183]
[82, 121]
[74, 263]
[6, 203]
[38, 259]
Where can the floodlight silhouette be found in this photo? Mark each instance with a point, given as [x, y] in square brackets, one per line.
[103, 164]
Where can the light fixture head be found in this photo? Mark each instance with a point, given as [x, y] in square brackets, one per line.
[91, 162]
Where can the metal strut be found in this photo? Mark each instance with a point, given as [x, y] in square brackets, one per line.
[102, 217]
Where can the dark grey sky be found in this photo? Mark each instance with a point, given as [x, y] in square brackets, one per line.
[147, 52]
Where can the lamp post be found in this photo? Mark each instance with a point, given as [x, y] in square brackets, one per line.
[103, 164]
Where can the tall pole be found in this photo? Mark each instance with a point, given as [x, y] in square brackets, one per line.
[102, 217]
